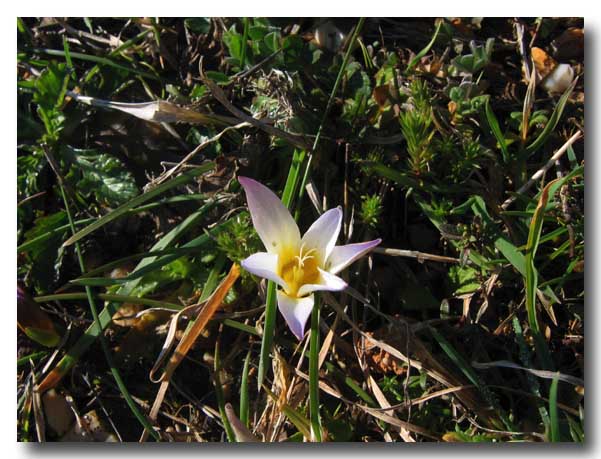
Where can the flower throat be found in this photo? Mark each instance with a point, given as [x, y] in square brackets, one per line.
[300, 270]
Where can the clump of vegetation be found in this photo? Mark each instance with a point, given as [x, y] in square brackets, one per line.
[466, 324]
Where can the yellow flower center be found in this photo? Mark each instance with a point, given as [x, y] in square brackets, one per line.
[299, 270]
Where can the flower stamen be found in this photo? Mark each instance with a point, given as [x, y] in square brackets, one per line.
[300, 258]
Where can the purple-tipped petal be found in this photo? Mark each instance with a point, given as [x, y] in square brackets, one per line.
[327, 281]
[296, 311]
[272, 220]
[344, 255]
[322, 234]
[264, 265]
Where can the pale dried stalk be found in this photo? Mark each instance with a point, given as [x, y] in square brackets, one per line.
[539, 173]
[420, 256]
[194, 152]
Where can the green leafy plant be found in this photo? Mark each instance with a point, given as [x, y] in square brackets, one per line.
[416, 126]
[371, 210]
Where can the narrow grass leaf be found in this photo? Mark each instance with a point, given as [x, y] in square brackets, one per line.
[244, 395]
[96, 59]
[470, 374]
[92, 332]
[526, 359]
[138, 200]
[314, 372]
[300, 422]
[104, 344]
[554, 434]
[496, 130]
[553, 120]
[424, 51]
[531, 277]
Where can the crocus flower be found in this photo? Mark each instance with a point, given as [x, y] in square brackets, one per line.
[299, 266]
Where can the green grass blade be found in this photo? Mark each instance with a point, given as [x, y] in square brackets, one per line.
[144, 422]
[138, 200]
[292, 181]
[76, 296]
[92, 332]
[242, 327]
[300, 422]
[552, 123]
[531, 277]
[244, 396]
[424, 51]
[347, 55]
[31, 357]
[470, 374]
[179, 251]
[172, 200]
[554, 433]
[527, 362]
[496, 130]
[96, 59]
[42, 237]
[314, 373]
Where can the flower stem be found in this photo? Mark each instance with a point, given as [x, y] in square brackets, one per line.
[314, 373]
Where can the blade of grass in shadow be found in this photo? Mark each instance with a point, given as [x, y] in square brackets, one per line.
[496, 130]
[172, 200]
[244, 399]
[531, 277]
[471, 375]
[31, 357]
[423, 52]
[195, 243]
[351, 383]
[526, 359]
[240, 326]
[138, 200]
[119, 51]
[105, 347]
[314, 373]
[553, 120]
[108, 297]
[347, 55]
[179, 251]
[554, 434]
[90, 335]
[96, 59]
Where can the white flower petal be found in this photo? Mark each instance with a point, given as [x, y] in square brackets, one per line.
[344, 255]
[327, 281]
[322, 234]
[296, 311]
[264, 265]
[272, 220]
